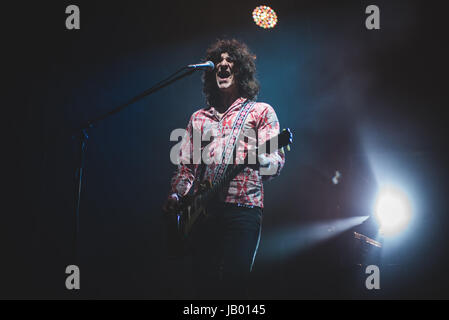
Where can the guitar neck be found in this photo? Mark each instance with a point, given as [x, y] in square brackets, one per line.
[281, 140]
[230, 174]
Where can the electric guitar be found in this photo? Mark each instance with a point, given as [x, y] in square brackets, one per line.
[193, 208]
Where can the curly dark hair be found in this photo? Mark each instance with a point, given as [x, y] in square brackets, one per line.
[244, 70]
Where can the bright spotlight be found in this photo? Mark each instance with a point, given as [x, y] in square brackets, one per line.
[265, 17]
[392, 211]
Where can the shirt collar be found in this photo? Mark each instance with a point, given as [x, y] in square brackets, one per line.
[235, 104]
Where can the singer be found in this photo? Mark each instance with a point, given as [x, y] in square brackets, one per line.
[225, 243]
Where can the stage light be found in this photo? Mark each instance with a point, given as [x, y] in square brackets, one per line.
[265, 17]
[392, 211]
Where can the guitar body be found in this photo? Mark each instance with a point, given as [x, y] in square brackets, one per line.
[193, 209]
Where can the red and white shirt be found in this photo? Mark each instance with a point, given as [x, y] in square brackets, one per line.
[246, 188]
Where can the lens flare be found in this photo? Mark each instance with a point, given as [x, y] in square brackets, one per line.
[265, 17]
[392, 211]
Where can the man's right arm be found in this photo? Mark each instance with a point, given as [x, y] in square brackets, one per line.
[185, 173]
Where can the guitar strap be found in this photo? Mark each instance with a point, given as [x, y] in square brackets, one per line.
[232, 140]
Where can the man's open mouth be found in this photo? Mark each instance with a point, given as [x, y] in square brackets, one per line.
[223, 74]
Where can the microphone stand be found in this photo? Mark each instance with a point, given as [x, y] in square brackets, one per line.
[82, 136]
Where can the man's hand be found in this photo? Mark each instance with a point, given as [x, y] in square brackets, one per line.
[263, 161]
[171, 205]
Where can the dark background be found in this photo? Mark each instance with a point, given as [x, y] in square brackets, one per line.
[367, 103]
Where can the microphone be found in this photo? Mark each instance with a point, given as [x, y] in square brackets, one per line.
[208, 65]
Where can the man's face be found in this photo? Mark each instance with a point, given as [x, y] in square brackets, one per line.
[224, 73]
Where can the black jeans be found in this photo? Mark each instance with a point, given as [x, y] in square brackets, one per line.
[224, 247]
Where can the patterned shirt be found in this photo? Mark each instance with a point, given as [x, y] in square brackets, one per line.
[260, 125]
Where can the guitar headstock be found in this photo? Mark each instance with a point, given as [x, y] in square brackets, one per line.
[285, 139]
